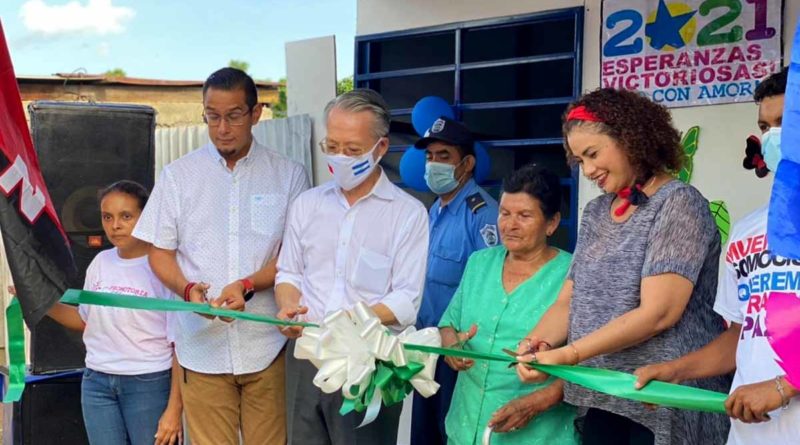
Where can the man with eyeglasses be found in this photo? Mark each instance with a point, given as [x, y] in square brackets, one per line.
[215, 220]
[358, 238]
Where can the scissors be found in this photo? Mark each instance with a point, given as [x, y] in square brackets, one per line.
[531, 350]
[459, 344]
[294, 319]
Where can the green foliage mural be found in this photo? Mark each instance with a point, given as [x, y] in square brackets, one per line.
[689, 143]
[719, 210]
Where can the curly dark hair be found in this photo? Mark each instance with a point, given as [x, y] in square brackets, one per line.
[774, 85]
[642, 128]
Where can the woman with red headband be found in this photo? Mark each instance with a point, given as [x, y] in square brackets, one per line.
[644, 273]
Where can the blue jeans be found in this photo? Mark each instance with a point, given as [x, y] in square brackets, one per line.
[123, 409]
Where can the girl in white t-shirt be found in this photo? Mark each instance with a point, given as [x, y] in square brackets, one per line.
[130, 392]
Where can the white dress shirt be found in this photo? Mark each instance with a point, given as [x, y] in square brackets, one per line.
[374, 251]
[224, 225]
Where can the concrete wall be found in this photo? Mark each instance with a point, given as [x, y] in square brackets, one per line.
[310, 85]
[723, 128]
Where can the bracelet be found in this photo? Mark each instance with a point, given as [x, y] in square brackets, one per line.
[577, 355]
[188, 289]
[249, 288]
[779, 387]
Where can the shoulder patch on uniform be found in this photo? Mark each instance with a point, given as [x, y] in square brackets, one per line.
[475, 201]
[489, 234]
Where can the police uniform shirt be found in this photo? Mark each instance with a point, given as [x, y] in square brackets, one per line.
[466, 224]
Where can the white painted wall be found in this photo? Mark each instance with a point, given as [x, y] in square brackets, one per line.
[376, 16]
[310, 85]
[723, 128]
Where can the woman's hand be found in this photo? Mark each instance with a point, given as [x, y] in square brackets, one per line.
[559, 356]
[751, 403]
[518, 412]
[451, 338]
[170, 427]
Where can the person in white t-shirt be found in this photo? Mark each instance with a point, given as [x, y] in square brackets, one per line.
[762, 404]
[129, 393]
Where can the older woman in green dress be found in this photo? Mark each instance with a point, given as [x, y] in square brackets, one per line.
[503, 293]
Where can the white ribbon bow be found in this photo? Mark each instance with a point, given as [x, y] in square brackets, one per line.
[346, 345]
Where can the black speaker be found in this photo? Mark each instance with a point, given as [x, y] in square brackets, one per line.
[49, 413]
[82, 148]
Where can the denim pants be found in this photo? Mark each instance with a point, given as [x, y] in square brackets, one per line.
[123, 409]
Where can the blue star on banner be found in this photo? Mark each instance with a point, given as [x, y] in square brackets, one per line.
[666, 28]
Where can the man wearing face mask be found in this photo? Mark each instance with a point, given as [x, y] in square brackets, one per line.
[462, 220]
[769, 97]
[358, 238]
[763, 406]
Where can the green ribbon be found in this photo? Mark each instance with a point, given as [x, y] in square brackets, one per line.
[16, 352]
[75, 296]
[615, 383]
[394, 381]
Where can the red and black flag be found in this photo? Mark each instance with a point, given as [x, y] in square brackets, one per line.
[36, 246]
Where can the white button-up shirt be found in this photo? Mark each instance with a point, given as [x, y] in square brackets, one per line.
[224, 225]
[374, 251]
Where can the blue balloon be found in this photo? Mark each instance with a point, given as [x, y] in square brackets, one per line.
[412, 169]
[483, 163]
[427, 110]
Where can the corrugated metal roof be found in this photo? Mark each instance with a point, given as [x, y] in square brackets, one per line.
[106, 80]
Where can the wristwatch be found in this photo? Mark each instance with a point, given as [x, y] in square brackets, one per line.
[249, 289]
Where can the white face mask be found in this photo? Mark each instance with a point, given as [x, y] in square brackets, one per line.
[350, 171]
[771, 148]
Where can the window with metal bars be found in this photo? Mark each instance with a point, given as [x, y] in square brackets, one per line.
[507, 79]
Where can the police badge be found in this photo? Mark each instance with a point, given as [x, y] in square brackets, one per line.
[489, 234]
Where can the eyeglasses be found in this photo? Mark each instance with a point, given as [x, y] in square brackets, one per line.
[332, 148]
[236, 118]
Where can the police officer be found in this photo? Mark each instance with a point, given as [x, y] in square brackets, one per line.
[462, 220]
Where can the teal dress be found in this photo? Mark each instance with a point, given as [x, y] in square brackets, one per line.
[502, 319]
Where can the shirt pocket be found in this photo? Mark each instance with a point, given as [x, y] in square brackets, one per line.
[266, 213]
[372, 272]
[447, 266]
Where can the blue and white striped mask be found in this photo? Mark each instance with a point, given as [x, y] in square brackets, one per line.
[350, 171]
